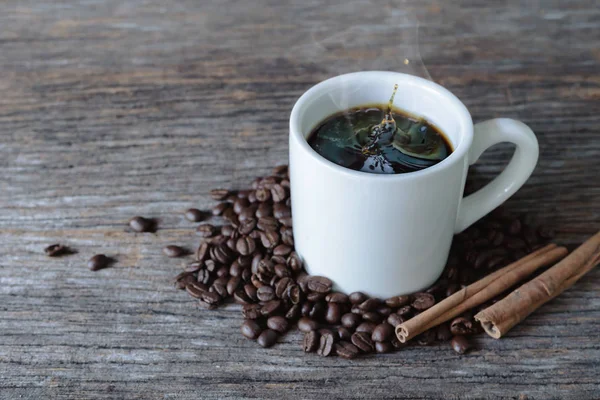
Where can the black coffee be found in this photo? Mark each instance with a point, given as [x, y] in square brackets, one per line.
[379, 139]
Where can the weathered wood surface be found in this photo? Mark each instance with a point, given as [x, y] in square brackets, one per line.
[110, 109]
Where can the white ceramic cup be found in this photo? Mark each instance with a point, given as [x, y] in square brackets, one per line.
[387, 235]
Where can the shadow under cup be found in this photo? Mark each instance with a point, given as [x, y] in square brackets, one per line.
[380, 234]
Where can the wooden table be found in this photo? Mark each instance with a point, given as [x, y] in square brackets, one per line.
[123, 107]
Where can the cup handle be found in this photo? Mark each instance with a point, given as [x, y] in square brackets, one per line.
[520, 167]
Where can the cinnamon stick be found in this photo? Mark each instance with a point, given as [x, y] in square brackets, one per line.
[508, 312]
[479, 292]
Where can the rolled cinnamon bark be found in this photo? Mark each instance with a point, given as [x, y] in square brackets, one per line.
[508, 312]
[479, 292]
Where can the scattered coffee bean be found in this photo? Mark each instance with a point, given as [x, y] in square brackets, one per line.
[333, 313]
[99, 261]
[267, 338]
[397, 301]
[206, 230]
[461, 326]
[351, 320]
[363, 341]
[194, 215]
[306, 324]
[366, 327]
[56, 250]
[265, 293]
[395, 320]
[251, 329]
[383, 347]
[346, 349]
[460, 344]
[343, 333]
[326, 344]
[426, 338]
[278, 324]
[311, 341]
[270, 307]
[174, 251]
[443, 333]
[141, 224]
[382, 332]
[245, 245]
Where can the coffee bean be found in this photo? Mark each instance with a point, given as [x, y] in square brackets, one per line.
[202, 251]
[219, 209]
[278, 260]
[280, 170]
[203, 276]
[281, 211]
[382, 332]
[318, 310]
[221, 253]
[346, 349]
[306, 324]
[423, 301]
[515, 227]
[370, 304]
[404, 311]
[286, 221]
[183, 279]
[397, 301]
[443, 333]
[355, 309]
[311, 341]
[384, 311]
[246, 214]
[372, 316]
[206, 306]
[395, 320]
[99, 261]
[363, 341]
[210, 297]
[141, 224]
[337, 297]
[219, 288]
[264, 210]
[426, 338]
[263, 194]
[315, 296]
[270, 307]
[357, 297]
[265, 293]
[56, 250]
[460, 344]
[333, 313]
[269, 239]
[495, 262]
[194, 266]
[251, 311]
[245, 245]
[287, 236]
[319, 284]
[293, 313]
[174, 251]
[195, 289]
[267, 338]
[206, 230]
[343, 333]
[282, 250]
[294, 262]
[219, 194]
[278, 324]
[246, 274]
[326, 342]
[498, 239]
[247, 226]
[366, 327]
[294, 293]
[233, 284]
[545, 232]
[278, 193]
[461, 326]
[350, 320]
[251, 329]
[282, 271]
[383, 347]
[241, 297]
[194, 215]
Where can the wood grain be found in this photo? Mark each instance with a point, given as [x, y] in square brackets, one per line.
[139, 107]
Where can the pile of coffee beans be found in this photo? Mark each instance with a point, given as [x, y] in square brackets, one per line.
[250, 259]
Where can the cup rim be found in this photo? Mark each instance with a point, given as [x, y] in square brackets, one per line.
[463, 115]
